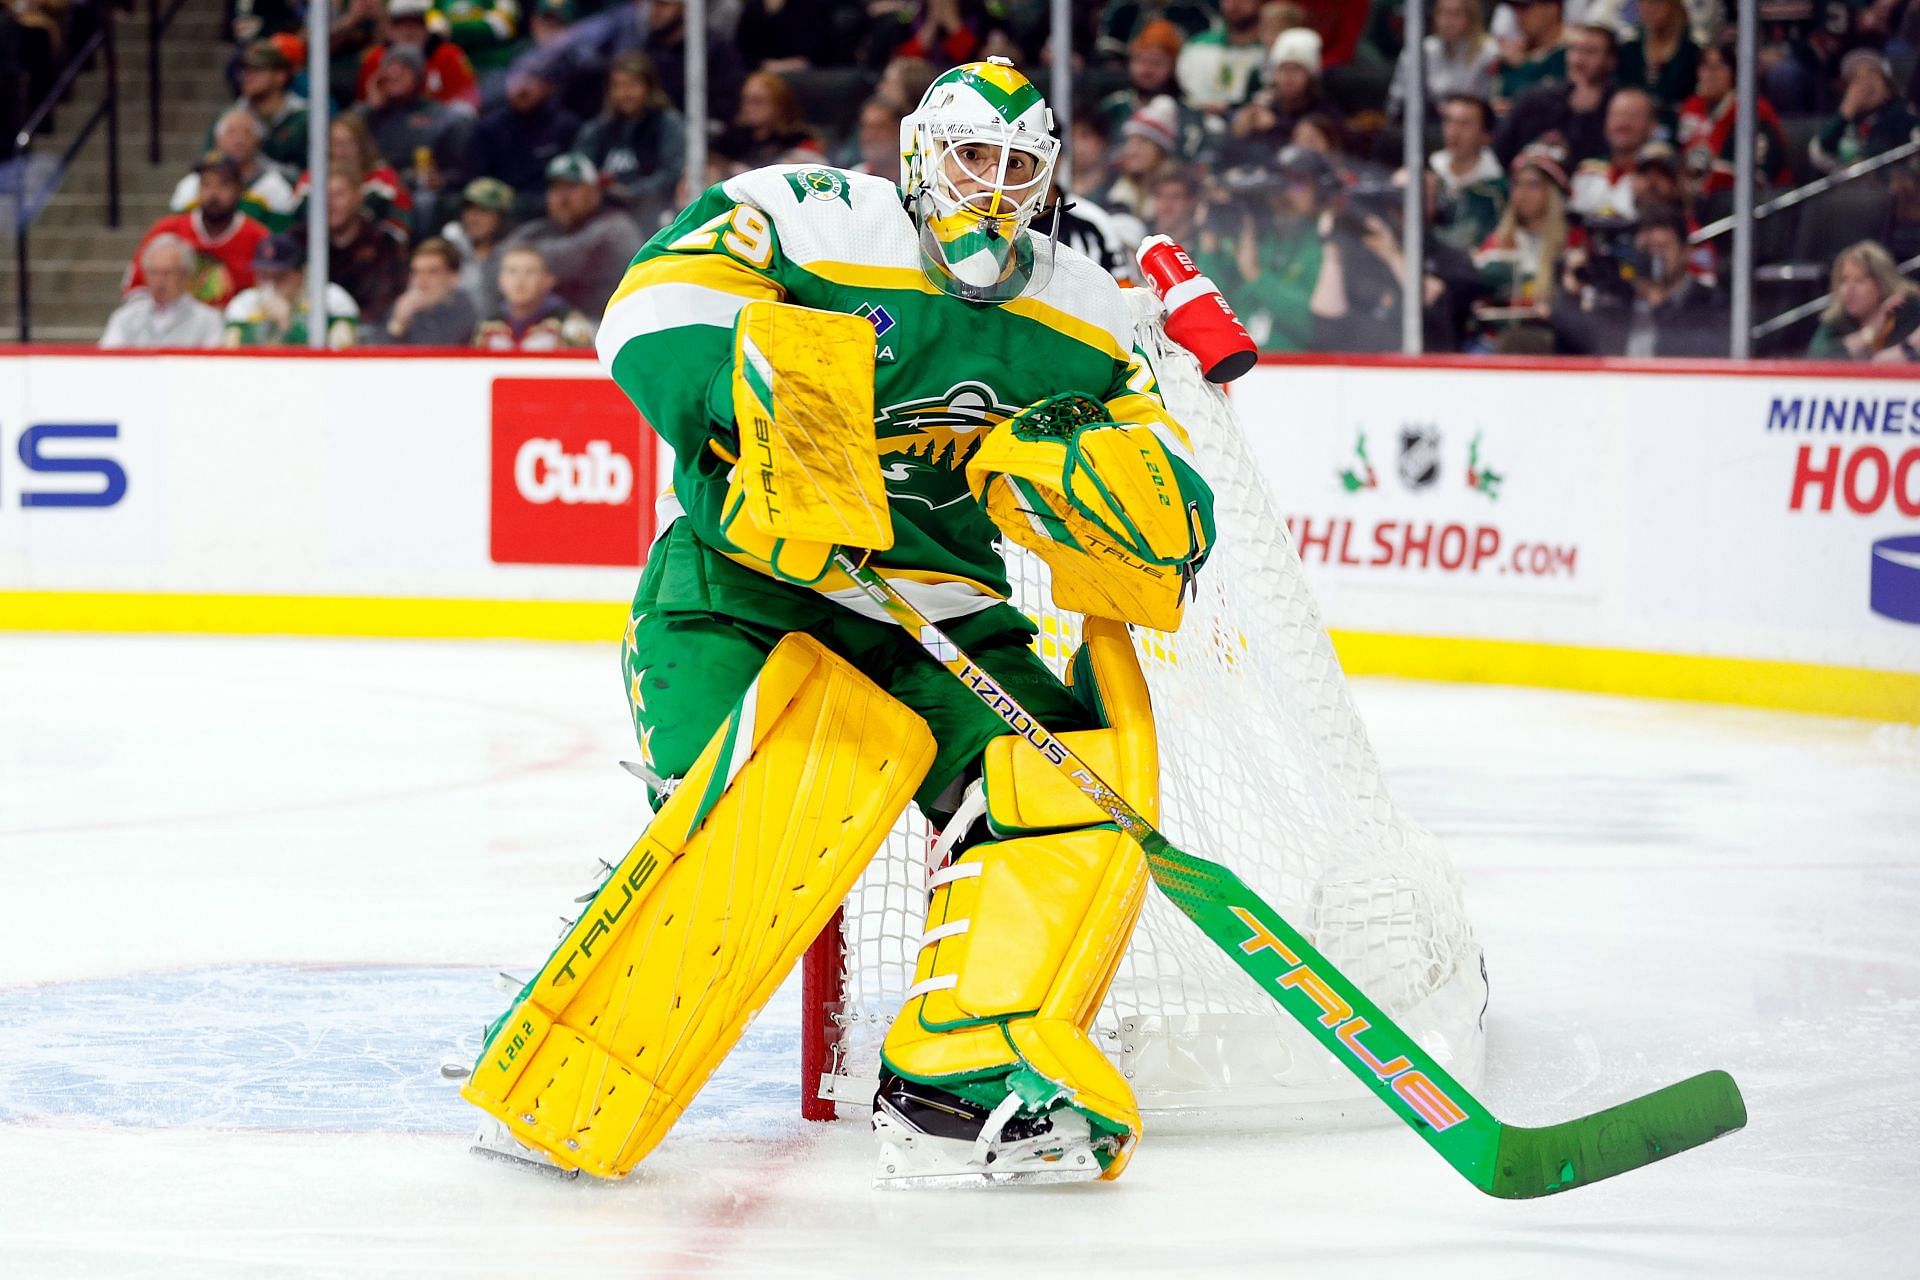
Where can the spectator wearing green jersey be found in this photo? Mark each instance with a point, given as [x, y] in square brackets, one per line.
[487, 31]
[1272, 239]
[265, 194]
[1871, 119]
[275, 312]
[1874, 311]
[265, 75]
[1473, 186]
[1537, 57]
[1662, 58]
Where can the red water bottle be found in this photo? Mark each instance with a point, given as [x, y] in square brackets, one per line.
[1198, 318]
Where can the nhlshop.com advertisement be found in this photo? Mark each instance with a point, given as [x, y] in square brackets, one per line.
[1446, 495]
[1766, 514]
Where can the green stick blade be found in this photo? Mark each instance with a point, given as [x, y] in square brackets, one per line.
[1559, 1157]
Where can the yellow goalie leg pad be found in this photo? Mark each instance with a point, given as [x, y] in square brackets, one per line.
[808, 476]
[1026, 792]
[706, 915]
[1024, 936]
[1022, 939]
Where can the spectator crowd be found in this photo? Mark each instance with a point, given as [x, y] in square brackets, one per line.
[493, 165]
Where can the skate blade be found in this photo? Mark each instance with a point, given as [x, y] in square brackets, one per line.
[542, 1167]
[496, 1142]
[981, 1180]
[908, 1161]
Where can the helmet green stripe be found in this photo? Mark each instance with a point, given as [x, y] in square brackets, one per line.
[1010, 104]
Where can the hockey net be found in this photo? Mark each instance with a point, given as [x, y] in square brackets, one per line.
[1265, 768]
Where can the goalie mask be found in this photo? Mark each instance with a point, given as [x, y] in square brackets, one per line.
[977, 168]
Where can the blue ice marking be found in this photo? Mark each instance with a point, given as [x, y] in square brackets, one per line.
[315, 1049]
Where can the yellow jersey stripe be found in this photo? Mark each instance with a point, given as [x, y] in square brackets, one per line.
[708, 270]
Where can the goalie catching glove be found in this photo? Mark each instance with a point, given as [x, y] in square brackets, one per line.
[1115, 509]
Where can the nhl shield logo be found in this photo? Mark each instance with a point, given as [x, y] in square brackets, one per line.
[1419, 455]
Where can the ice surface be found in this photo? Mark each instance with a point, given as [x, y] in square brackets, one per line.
[252, 891]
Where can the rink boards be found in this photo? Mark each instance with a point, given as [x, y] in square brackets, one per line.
[1746, 533]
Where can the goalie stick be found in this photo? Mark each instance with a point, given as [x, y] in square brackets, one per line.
[1504, 1160]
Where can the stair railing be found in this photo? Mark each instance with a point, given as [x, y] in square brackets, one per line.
[28, 202]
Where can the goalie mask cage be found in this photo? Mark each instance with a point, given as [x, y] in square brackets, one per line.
[1265, 768]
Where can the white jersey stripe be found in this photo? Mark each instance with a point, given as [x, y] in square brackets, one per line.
[659, 307]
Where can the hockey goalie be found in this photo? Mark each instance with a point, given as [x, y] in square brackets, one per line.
[914, 373]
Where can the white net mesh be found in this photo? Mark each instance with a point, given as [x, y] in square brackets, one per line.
[1266, 769]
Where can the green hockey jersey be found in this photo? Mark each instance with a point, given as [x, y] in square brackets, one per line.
[946, 372]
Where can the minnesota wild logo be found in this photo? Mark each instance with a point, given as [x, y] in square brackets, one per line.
[1482, 479]
[924, 443]
[820, 184]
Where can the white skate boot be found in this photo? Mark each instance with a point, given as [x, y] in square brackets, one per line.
[931, 1138]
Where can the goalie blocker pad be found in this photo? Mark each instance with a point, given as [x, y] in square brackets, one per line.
[1024, 936]
[706, 915]
[808, 475]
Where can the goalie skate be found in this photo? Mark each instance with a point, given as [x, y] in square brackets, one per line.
[930, 1138]
[496, 1142]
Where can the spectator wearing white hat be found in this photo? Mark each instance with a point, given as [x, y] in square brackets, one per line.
[1264, 125]
[163, 313]
[1147, 141]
